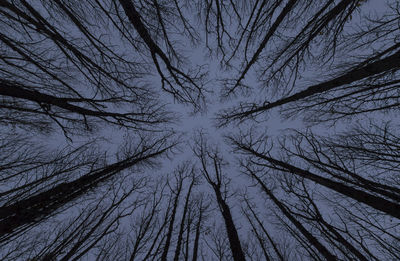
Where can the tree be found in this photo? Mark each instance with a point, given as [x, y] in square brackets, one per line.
[343, 187]
[58, 69]
[369, 70]
[341, 172]
[84, 227]
[68, 86]
[30, 210]
[361, 84]
[191, 84]
[27, 168]
[88, 69]
[262, 236]
[205, 154]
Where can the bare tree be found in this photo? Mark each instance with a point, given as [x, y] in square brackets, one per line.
[68, 86]
[81, 68]
[170, 221]
[186, 87]
[36, 207]
[179, 179]
[360, 84]
[262, 236]
[369, 70]
[201, 214]
[28, 168]
[379, 203]
[281, 36]
[85, 226]
[207, 157]
[344, 170]
[309, 211]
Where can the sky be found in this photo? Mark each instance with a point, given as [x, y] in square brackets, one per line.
[189, 123]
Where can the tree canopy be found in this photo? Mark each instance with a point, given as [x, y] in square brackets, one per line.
[100, 160]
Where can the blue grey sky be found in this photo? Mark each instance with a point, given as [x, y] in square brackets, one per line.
[187, 124]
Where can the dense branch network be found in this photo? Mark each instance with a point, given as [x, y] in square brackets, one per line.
[121, 182]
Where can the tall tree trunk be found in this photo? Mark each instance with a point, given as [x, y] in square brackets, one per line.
[181, 230]
[313, 241]
[233, 236]
[373, 201]
[274, 246]
[38, 207]
[197, 236]
[387, 64]
[171, 222]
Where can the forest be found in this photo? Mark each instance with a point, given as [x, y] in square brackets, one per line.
[199, 130]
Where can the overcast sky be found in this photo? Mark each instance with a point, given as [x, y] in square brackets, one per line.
[188, 123]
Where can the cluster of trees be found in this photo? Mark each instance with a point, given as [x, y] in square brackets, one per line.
[83, 68]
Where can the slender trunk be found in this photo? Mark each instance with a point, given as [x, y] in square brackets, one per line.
[14, 90]
[197, 237]
[311, 239]
[45, 28]
[285, 11]
[143, 230]
[387, 64]
[339, 238]
[134, 17]
[373, 201]
[233, 236]
[259, 238]
[181, 230]
[163, 225]
[38, 207]
[171, 224]
[274, 246]
[188, 225]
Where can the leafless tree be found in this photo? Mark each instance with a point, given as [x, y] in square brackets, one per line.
[169, 224]
[76, 232]
[344, 171]
[361, 84]
[20, 214]
[81, 68]
[57, 70]
[160, 20]
[342, 187]
[211, 157]
[261, 233]
[282, 36]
